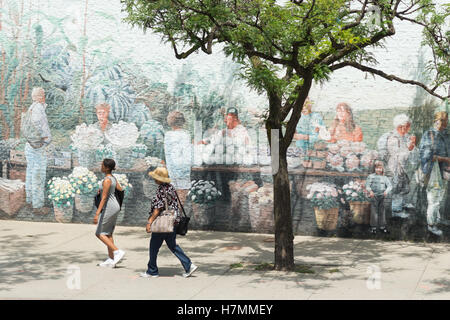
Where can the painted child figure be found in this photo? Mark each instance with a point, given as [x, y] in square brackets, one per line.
[379, 187]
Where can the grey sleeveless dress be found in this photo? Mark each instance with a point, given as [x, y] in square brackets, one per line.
[108, 216]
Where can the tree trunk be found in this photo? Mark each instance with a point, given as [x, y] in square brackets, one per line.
[284, 237]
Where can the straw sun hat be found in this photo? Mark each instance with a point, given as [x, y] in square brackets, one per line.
[160, 174]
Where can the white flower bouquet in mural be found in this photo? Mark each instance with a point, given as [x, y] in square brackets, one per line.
[84, 182]
[85, 141]
[357, 196]
[104, 152]
[86, 137]
[325, 198]
[61, 193]
[203, 192]
[139, 151]
[122, 179]
[123, 137]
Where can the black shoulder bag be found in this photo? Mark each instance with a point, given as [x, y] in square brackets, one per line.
[182, 227]
[118, 194]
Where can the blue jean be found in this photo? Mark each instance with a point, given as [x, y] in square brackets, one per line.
[36, 173]
[156, 242]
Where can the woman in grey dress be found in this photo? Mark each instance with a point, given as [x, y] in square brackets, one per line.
[107, 212]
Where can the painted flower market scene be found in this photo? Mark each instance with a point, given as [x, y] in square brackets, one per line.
[357, 149]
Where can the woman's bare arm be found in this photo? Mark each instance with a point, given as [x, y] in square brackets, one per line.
[106, 186]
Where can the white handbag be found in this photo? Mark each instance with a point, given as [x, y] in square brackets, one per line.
[165, 221]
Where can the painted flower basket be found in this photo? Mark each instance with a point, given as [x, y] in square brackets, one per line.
[61, 193]
[123, 137]
[361, 212]
[85, 184]
[86, 140]
[203, 195]
[84, 203]
[202, 215]
[326, 219]
[63, 214]
[356, 195]
[325, 199]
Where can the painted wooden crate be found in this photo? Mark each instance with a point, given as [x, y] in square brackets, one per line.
[12, 196]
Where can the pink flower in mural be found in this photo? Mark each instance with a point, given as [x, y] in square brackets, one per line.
[343, 143]
[352, 162]
[358, 147]
[333, 148]
[336, 162]
[345, 151]
[367, 160]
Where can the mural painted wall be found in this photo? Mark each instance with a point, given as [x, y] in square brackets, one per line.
[359, 159]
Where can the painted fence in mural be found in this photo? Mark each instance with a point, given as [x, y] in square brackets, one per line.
[97, 102]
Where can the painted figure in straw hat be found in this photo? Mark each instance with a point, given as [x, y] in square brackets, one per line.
[165, 192]
[434, 151]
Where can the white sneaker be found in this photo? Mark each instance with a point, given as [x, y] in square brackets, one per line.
[109, 263]
[146, 275]
[191, 271]
[118, 255]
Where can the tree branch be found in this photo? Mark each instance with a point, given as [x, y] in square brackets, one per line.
[386, 76]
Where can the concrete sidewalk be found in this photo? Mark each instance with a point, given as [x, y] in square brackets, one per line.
[58, 261]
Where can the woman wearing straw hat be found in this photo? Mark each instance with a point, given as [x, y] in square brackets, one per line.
[165, 191]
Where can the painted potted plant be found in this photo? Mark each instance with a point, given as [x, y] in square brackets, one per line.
[61, 193]
[203, 195]
[325, 199]
[85, 142]
[357, 196]
[84, 182]
[123, 137]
